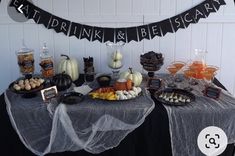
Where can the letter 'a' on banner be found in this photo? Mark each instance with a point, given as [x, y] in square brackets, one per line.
[198, 13]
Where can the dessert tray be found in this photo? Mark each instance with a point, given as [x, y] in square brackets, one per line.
[27, 87]
[174, 97]
[109, 94]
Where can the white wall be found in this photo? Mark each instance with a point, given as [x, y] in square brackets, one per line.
[216, 34]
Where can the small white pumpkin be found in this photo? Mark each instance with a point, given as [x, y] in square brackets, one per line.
[117, 56]
[69, 66]
[115, 64]
[136, 77]
[123, 97]
[132, 93]
[139, 90]
[119, 92]
[129, 96]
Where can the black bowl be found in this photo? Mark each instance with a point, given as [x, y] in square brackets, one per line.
[104, 80]
[71, 98]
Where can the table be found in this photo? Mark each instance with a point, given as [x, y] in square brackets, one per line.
[152, 138]
[92, 125]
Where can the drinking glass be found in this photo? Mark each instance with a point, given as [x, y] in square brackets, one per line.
[172, 70]
[209, 74]
[211, 68]
[179, 65]
[189, 74]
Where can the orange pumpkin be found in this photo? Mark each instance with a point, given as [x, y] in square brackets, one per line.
[123, 84]
[129, 84]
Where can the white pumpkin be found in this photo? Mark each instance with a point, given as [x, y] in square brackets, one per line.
[69, 66]
[117, 56]
[136, 77]
[115, 64]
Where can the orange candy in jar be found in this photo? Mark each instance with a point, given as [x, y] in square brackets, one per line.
[47, 66]
[26, 62]
[25, 58]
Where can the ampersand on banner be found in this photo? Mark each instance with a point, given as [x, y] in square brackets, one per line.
[120, 34]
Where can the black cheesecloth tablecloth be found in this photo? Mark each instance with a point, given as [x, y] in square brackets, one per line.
[152, 138]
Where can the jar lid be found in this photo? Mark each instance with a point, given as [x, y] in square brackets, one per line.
[24, 49]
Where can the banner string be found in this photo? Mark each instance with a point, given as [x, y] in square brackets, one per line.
[124, 34]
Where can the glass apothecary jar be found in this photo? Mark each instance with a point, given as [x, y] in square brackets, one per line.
[46, 62]
[115, 57]
[25, 58]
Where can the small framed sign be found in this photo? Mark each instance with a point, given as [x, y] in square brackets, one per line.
[154, 83]
[49, 93]
[212, 92]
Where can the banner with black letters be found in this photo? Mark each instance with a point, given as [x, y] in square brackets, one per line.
[124, 34]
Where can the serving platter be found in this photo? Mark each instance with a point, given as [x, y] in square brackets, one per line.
[26, 93]
[112, 95]
[174, 97]
[37, 89]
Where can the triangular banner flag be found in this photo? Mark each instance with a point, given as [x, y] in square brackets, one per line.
[166, 27]
[121, 35]
[143, 32]
[75, 30]
[132, 34]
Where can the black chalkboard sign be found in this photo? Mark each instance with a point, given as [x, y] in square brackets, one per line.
[49, 93]
[212, 92]
[154, 83]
